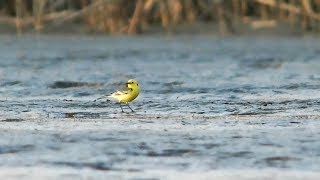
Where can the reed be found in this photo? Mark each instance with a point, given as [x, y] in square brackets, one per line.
[136, 16]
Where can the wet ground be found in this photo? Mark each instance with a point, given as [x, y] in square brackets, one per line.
[209, 107]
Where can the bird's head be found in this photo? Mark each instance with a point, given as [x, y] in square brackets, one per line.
[132, 83]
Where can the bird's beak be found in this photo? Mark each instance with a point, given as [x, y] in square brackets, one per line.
[127, 83]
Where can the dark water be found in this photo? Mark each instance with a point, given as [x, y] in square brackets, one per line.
[206, 103]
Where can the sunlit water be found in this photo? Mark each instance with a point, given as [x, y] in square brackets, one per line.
[207, 105]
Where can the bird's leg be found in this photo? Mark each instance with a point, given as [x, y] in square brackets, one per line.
[121, 107]
[129, 107]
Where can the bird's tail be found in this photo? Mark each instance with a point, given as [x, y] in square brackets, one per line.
[102, 97]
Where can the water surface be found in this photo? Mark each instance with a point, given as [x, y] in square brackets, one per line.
[208, 106]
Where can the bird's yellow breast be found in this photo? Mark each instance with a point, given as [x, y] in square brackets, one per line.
[130, 96]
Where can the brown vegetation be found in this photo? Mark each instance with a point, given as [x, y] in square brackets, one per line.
[136, 16]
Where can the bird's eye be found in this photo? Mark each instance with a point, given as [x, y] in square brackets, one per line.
[137, 84]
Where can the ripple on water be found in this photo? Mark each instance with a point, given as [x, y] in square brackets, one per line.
[103, 166]
[10, 83]
[72, 84]
[171, 152]
[240, 154]
[279, 161]
[6, 149]
[257, 62]
[13, 120]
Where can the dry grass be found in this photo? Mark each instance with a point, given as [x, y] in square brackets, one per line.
[136, 16]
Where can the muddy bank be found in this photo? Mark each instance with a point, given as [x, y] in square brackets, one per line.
[147, 146]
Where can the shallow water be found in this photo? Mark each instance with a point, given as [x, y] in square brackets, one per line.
[207, 104]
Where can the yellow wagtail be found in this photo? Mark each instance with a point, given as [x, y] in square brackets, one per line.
[127, 95]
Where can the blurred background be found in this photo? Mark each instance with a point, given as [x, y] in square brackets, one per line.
[284, 17]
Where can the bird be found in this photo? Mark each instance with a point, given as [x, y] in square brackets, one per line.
[126, 95]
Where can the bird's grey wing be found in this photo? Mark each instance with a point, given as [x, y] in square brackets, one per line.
[123, 91]
[117, 93]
